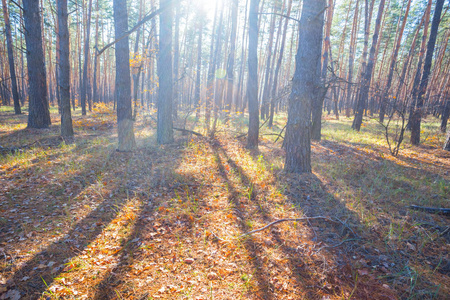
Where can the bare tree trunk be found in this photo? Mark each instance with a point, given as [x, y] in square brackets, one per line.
[123, 78]
[393, 64]
[165, 93]
[316, 125]
[278, 67]
[64, 69]
[365, 84]
[12, 70]
[199, 69]
[304, 85]
[230, 66]
[84, 85]
[351, 59]
[95, 81]
[176, 61]
[39, 113]
[417, 113]
[252, 83]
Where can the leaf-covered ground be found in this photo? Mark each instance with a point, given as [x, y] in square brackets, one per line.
[82, 221]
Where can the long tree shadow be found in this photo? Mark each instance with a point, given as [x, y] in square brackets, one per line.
[35, 275]
[160, 180]
[326, 266]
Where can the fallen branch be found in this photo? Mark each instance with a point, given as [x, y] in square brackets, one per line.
[188, 131]
[281, 132]
[335, 246]
[288, 220]
[432, 210]
[244, 134]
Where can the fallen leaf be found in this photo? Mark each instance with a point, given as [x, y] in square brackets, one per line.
[189, 261]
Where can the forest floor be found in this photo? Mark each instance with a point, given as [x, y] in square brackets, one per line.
[79, 220]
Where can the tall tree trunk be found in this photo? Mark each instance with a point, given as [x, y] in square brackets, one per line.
[165, 93]
[252, 83]
[365, 84]
[316, 125]
[273, 100]
[230, 66]
[94, 79]
[199, 69]
[268, 71]
[12, 70]
[123, 78]
[84, 86]
[304, 85]
[176, 61]
[417, 114]
[39, 113]
[387, 88]
[351, 59]
[64, 69]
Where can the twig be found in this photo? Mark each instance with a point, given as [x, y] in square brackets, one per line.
[334, 246]
[281, 132]
[287, 220]
[188, 131]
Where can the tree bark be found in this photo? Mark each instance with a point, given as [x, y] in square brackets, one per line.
[38, 113]
[252, 83]
[12, 70]
[304, 85]
[417, 114]
[84, 86]
[64, 69]
[365, 84]
[230, 66]
[123, 79]
[164, 69]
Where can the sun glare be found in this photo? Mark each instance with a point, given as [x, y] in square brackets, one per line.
[207, 7]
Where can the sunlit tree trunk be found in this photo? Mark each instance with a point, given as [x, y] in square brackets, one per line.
[39, 113]
[199, 69]
[365, 84]
[252, 83]
[84, 85]
[273, 100]
[417, 113]
[64, 69]
[305, 83]
[123, 78]
[316, 125]
[230, 66]
[12, 70]
[165, 92]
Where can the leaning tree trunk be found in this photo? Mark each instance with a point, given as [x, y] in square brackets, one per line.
[199, 69]
[252, 83]
[64, 70]
[304, 85]
[123, 78]
[39, 113]
[417, 114]
[165, 93]
[365, 84]
[12, 70]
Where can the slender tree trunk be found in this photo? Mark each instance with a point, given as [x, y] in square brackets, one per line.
[304, 86]
[387, 88]
[351, 59]
[94, 79]
[12, 70]
[123, 78]
[64, 69]
[417, 113]
[165, 93]
[252, 83]
[176, 61]
[39, 113]
[230, 66]
[365, 86]
[199, 69]
[316, 125]
[273, 100]
[84, 85]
